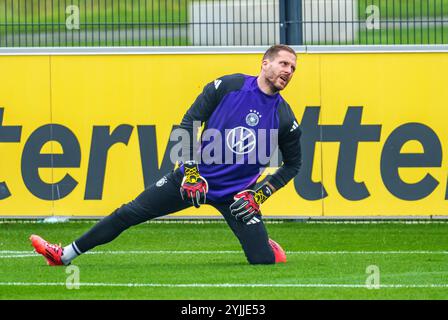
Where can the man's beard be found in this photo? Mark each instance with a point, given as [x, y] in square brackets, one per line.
[272, 85]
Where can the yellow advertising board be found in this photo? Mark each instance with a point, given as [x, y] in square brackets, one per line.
[80, 135]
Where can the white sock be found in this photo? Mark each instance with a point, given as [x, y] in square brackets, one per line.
[70, 252]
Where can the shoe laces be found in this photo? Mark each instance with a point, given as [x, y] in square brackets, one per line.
[55, 247]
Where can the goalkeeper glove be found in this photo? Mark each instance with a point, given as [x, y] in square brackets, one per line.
[194, 187]
[247, 203]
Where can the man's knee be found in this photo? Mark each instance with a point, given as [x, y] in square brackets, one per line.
[254, 262]
[271, 254]
[261, 258]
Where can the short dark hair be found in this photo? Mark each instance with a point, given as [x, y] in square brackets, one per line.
[273, 51]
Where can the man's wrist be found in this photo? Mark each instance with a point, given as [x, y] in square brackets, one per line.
[271, 186]
[263, 193]
[190, 163]
[191, 171]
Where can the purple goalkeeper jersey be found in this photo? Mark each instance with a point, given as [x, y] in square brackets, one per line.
[241, 133]
[239, 117]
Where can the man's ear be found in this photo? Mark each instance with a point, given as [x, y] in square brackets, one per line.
[264, 63]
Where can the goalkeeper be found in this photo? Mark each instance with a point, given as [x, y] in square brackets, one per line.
[235, 106]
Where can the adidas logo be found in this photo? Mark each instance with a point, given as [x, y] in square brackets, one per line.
[295, 125]
[217, 83]
[254, 220]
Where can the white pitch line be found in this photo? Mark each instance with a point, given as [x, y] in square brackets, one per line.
[16, 251]
[223, 285]
[19, 256]
[369, 252]
[4, 254]
[240, 252]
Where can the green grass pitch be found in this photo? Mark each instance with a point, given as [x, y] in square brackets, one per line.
[201, 261]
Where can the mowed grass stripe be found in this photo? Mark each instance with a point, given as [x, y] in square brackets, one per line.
[227, 285]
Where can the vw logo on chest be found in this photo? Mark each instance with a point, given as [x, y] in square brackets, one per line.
[241, 140]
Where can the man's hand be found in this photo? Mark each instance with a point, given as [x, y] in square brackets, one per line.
[194, 187]
[247, 203]
[245, 207]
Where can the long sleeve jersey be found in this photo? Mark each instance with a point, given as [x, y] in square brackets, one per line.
[241, 127]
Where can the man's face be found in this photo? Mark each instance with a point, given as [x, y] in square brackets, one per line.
[279, 71]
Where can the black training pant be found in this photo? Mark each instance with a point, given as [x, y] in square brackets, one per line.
[163, 198]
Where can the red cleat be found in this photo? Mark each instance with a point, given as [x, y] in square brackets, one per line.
[279, 253]
[51, 252]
